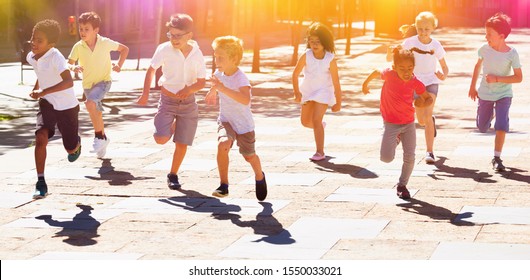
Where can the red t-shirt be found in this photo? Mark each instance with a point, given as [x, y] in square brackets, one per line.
[397, 97]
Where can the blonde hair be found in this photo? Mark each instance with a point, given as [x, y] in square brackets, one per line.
[232, 45]
[427, 16]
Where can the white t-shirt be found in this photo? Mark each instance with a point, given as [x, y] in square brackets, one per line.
[178, 71]
[48, 69]
[238, 115]
[426, 64]
[499, 64]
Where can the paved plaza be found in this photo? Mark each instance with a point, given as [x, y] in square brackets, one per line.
[342, 208]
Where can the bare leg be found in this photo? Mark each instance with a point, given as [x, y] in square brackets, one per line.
[95, 116]
[500, 136]
[41, 141]
[223, 148]
[178, 157]
[256, 166]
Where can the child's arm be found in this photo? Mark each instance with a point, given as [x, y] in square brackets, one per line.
[473, 93]
[373, 75]
[189, 90]
[211, 97]
[333, 69]
[296, 73]
[517, 77]
[66, 83]
[445, 70]
[73, 67]
[149, 74]
[242, 95]
[124, 51]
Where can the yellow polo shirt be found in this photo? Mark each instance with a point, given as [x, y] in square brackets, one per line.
[96, 64]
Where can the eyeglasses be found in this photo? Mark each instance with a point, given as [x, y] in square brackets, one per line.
[176, 36]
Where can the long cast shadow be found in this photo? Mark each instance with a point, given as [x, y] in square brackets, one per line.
[115, 178]
[435, 212]
[80, 231]
[265, 223]
[515, 174]
[344, 168]
[460, 172]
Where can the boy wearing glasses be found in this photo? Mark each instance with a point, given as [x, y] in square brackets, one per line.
[183, 74]
[93, 54]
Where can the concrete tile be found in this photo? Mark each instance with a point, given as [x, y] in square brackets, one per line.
[288, 179]
[485, 151]
[394, 169]
[307, 238]
[494, 215]
[381, 249]
[68, 173]
[71, 219]
[274, 130]
[353, 140]
[14, 199]
[481, 251]
[364, 124]
[133, 152]
[189, 164]
[365, 195]
[332, 157]
[86, 256]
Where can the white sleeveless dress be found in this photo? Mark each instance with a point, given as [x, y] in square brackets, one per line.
[317, 85]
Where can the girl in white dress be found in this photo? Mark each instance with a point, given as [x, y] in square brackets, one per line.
[320, 85]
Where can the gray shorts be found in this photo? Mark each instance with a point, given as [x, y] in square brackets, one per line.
[245, 142]
[485, 114]
[185, 113]
[433, 88]
[97, 92]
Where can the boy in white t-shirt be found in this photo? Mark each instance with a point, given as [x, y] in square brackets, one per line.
[183, 74]
[57, 102]
[235, 118]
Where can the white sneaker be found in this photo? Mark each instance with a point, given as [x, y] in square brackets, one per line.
[429, 158]
[100, 147]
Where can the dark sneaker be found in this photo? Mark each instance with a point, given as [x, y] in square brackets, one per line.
[173, 181]
[429, 158]
[261, 189]
[73, 157]
[41, 190]
[497, 165]
[402, 192]
[434, 125]
[221, 191]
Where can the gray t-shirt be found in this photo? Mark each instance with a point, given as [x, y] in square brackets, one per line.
[499, 64]
[238, 115]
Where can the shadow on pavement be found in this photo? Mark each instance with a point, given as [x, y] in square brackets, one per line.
[115, 178]
[514, 174]
[80, 231]
[459, 172]
[435, 212]
[350, 169]
[265, 223]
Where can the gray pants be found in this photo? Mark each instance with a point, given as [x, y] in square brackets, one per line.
[407, 133]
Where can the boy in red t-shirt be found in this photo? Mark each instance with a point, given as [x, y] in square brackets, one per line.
[397, 96]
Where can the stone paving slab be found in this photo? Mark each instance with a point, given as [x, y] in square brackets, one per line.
[486, 151]
[307, 238]
[337, 158]
[133, 152]
[288, 179]
[364, 195]
[14, 199]
[86, 256]
[68, 173]
[493, 215]
[481, 251]
[189, 164]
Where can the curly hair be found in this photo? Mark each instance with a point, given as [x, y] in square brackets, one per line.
[90, 17]
[50, 28]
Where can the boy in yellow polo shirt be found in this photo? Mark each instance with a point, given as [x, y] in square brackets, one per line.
[93, 54]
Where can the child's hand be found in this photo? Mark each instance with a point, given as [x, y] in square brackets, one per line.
[183, 93]
[77, 69]
[440, 75]
[116, 67]
[211, 97]
[336, 107]
[491, 79]
[297, 97]
[216, 83]
[142, 100]
[473, 93]
[35, 94]
[365, 89]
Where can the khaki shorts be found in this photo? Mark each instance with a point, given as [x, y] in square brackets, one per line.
[245, 141]
[184, 113]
